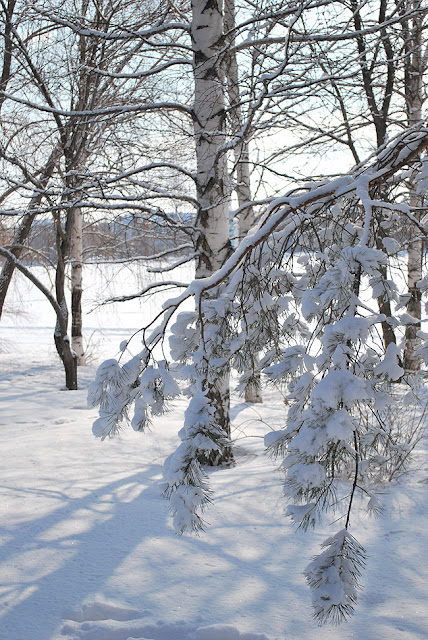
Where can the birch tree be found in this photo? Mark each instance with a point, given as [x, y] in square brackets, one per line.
[212, 146]
[212, 222]
[416, 67]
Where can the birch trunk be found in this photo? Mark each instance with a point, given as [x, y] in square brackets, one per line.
[412, 362]
[414, 70]
[209, 117]
[76, 250]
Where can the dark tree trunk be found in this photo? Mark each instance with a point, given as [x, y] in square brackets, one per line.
[62, 341]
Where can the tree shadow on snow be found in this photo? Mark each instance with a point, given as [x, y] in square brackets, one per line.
[115, 543]
[56, 561]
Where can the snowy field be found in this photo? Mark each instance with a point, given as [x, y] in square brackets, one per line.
[87, 549]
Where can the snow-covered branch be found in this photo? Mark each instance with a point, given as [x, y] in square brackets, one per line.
[159, 68]
[93, 113]
[118, 34]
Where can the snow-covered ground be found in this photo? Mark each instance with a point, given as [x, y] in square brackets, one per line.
[87, 550]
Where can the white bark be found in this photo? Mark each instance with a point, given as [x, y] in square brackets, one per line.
[413, 92]
[209, 116]
[209, 126]
[76, 250]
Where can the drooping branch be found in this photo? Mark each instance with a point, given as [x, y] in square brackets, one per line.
[291, 211]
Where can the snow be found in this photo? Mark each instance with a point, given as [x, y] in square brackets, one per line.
[389, 364]
[339, 386]
[87, 547]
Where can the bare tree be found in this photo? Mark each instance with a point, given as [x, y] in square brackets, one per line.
[67, 178]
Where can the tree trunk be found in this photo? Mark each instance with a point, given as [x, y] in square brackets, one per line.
[253, 392]
[7, 48]
[76, 250]
[412, 362]
[20, 236]
[212, 225]
[62, 341]
[414, 70]
[384, 302]
[61, 338]
[379, 104]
